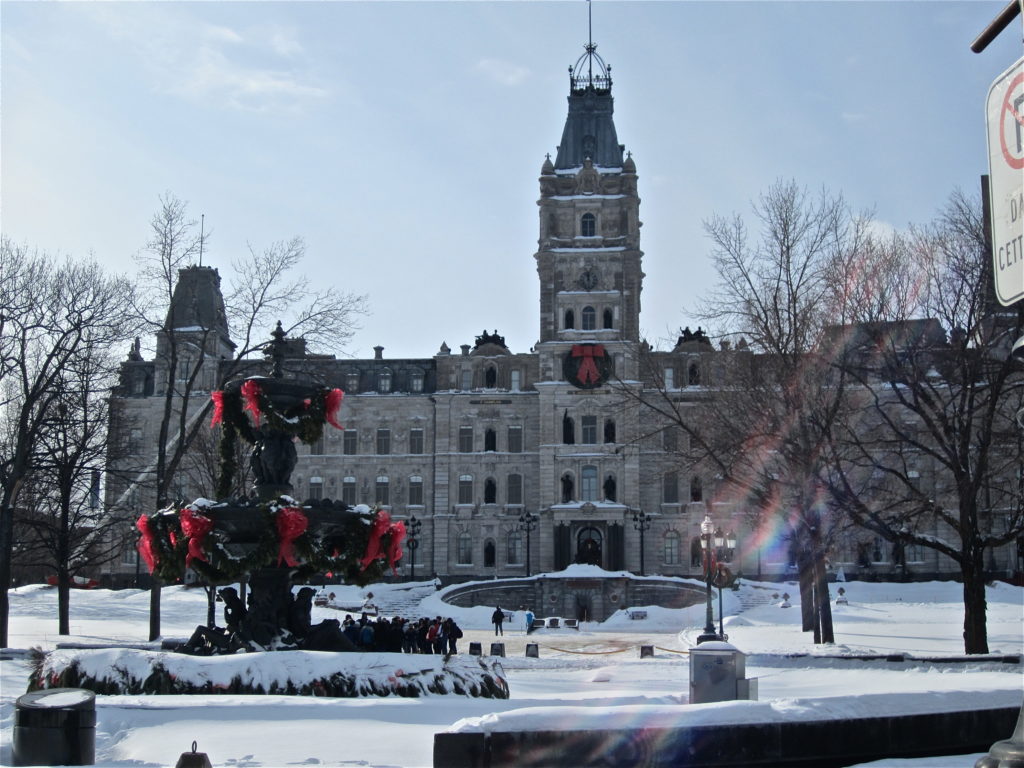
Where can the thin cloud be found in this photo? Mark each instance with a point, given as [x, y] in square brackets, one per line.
[503, 72]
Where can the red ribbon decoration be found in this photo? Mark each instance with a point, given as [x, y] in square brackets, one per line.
[147, 543]
[374, 550]
[291, 524]
[195, 527]
[397, 532]
[332, 404]
[251, 394]
[218, 408]
[587, 373]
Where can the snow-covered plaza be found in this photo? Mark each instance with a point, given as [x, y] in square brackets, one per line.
[590, 678]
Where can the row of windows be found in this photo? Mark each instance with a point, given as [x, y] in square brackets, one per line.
[415, 444]
[692, 377]
[670, 553]
[384, 382]
[670, 488]
[513, 549]
[588, 319]
[588, 430]
[382, 490]
[490, 379]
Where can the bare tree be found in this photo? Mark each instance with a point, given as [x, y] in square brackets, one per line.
[51, 314]
[196, 358]
[930, 455]
[61, 512]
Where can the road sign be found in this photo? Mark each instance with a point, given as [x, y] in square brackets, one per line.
[1004, 110]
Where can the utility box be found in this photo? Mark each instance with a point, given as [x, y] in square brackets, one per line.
[55, 726]
[718, 673]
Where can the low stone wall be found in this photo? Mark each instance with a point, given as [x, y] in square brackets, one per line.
[815, 744]
[590, 599]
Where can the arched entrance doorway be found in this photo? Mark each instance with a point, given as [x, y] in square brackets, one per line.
[589, 543]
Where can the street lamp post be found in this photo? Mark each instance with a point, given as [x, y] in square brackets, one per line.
[642, 524]
[527, 522]
[412, 543]
[706, 530]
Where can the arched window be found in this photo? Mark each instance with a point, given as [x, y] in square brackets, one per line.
[490, 377]
[671, 548]
[570, 319]
[415, 491]
[588, 484]
[588, 225]
[382, 493]
[464, 549]
[588, 319]
[515, 548]
[490, 440]
[693, 377]
[696, 489]
[465, 489]
[490, 491]
[609, 430]
[607, 319]
[489, 553]
[514, 493]
[609, 488]
[567, 488]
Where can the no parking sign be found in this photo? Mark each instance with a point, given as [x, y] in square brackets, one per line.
[1004, 110]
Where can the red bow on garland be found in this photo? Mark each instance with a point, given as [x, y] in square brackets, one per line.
[218, 408]
[291, 524]
[147, 543]
[587, 373]
[195, 527]
[251, 394]
[332, 404]
[383, 526]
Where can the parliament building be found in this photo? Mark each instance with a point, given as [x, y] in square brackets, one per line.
[510, 462]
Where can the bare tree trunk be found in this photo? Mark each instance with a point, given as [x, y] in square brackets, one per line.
[822, 602]
[154, 609]
[975, 632]
[806, 574]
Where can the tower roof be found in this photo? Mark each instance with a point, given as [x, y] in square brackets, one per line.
[197, 303]
[589, 131]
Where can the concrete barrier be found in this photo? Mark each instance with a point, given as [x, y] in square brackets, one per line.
[532, 651]
[498, 649]
[813, 744]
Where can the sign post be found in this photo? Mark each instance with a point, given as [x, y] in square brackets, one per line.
[1004, 110]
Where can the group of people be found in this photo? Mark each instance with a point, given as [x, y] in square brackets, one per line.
[400, 635]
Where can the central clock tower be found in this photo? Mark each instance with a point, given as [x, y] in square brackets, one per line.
[589, 266]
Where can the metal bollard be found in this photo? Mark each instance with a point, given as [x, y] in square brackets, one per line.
[646, 651]
[532, 651]
[498, 649]
[475, 649]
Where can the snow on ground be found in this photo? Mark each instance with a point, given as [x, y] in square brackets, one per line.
[582, 679]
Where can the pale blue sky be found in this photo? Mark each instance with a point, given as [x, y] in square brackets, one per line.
[403, 140]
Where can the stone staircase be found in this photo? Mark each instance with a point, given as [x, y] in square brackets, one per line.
[755, 596]
[403, 601]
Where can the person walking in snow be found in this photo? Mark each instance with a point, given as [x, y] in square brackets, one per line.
[529, 621]
[497, 619]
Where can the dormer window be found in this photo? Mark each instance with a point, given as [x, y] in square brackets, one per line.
[588, 225]
[384, 382]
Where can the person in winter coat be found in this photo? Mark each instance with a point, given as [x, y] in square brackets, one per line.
[497, 619]
[432, 636]
[452, 632]
[440, 639]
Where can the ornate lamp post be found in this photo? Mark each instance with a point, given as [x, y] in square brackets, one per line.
[528, 523]
[642, 524]
[412, 544]
[706, 532]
